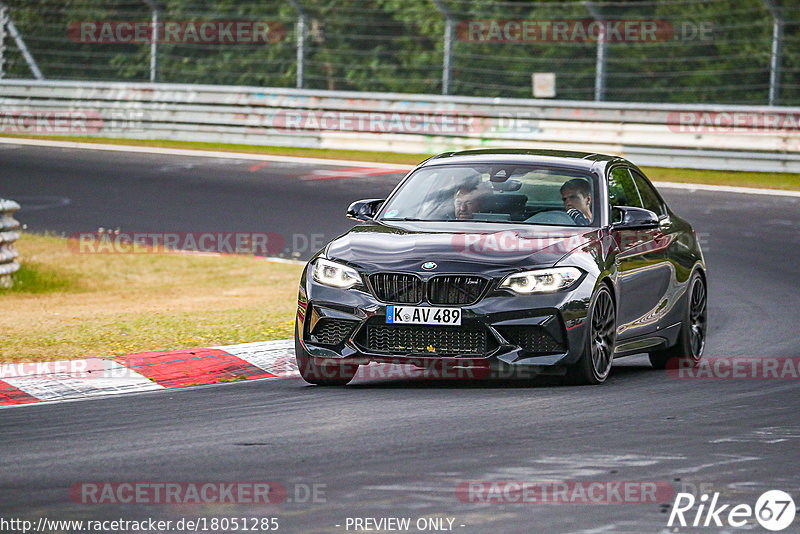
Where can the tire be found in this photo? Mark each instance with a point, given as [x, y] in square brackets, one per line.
[594, 364]
[334, 374]
[692, 337]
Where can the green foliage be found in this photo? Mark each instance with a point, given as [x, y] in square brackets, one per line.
[719, 51]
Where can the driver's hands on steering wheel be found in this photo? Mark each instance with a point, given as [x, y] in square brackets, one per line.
[579, 218]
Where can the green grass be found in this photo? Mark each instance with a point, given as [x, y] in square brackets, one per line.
[69, 305]
[33, 279]
[767, 180]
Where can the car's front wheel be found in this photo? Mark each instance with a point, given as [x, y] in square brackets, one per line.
[594, 364]
[692, 337]
[329, 374]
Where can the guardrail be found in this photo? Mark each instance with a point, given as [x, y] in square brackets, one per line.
[8, 235]
[753, 138]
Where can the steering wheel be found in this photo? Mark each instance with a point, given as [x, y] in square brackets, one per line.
[551, 217]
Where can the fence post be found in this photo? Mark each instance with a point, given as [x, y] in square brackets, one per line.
[447, 61]
[600, 63]
[8, 235]
[302, 18]
[154, 7]
[775, 56]
[3, 19]
[12, 30]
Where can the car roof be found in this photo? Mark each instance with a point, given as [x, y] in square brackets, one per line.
[584, 160]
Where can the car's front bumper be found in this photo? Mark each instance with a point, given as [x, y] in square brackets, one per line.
[541, 333]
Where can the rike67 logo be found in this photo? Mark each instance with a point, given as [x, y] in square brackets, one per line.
[774, 510]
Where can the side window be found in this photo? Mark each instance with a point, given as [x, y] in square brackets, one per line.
[650, 198]
[622, 191]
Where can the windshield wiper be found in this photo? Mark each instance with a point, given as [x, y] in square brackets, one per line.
[412, 219]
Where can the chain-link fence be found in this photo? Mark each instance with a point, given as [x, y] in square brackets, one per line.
[716, 51]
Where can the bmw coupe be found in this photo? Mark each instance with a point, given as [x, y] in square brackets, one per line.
[547, 262]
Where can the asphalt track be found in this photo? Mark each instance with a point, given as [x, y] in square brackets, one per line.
[388, 447]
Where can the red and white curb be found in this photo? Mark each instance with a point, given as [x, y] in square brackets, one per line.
[34, 382]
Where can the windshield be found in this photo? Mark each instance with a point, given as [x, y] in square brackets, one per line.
[526, 194]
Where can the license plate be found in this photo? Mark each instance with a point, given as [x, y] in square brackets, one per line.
[423, 315]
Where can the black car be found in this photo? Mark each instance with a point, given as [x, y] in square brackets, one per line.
[547, 262]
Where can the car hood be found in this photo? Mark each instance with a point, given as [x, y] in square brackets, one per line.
[486, 247]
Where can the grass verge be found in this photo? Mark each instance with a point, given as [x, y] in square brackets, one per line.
[764, 180]
[768, 180]
[65, 305]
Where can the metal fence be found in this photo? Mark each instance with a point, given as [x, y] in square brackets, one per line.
[682, 51]
[672, 135]
[8, 236]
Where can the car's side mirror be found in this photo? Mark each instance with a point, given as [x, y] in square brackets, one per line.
[629, 217]
[364, 210]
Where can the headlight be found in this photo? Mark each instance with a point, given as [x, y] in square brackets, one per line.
[542, 280]
[335, 274]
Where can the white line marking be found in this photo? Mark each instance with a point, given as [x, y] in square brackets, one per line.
[280, 260]
[735, 459]
[271, 259]
[728, 189]
[201, 153]
[335, 162]
[39, 202]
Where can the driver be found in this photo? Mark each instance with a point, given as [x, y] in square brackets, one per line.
[577, 197]
[469, 199]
